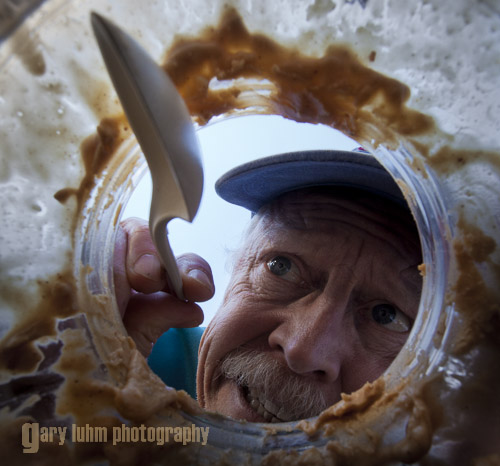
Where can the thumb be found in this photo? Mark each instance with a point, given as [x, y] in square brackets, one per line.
[197, 279]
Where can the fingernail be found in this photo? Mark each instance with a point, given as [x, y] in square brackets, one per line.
[148, 266]
[201, 277]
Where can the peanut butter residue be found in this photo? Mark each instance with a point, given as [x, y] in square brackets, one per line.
[474, 299]
[337, 89]
[355, 402]
[96, 151]
[448, 158]
[18, 350]
[26, 46]
[54, 351]
[357, 436]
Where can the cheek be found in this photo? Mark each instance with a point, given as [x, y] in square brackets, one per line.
[362, 368]
[380, 342]
[382, 345]
[372, 351]
[372, 355]
[242, 318]
[240, 321]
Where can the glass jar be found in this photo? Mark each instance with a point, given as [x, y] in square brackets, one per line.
[66, 358]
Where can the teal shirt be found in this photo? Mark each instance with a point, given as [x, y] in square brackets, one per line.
[175, 358]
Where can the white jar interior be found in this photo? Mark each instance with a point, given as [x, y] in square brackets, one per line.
[58, 320]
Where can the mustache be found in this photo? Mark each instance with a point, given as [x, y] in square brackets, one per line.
[296, 396]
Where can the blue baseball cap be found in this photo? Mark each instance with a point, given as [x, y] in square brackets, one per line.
[260, 181]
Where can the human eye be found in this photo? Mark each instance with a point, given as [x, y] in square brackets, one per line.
[285, 268]
[391, 318]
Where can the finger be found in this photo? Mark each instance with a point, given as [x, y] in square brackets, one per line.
[197, 278]
[144, 270]
[149, 316]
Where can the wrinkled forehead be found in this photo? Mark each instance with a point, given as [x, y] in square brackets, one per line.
[335, 210]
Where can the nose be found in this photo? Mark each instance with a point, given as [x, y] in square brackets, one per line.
[312, 338]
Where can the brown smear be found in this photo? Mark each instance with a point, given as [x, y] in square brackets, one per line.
[336, 90]
[447, 158]
[18, 352]
[96, 151]
[350, 408]
[357, 416]
[26, 46]
[476, 302]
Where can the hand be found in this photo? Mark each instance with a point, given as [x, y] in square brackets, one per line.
[145, 304]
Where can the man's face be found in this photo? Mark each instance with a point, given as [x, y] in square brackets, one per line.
[323, 297]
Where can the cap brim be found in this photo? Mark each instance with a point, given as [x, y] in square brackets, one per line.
[258, 182]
